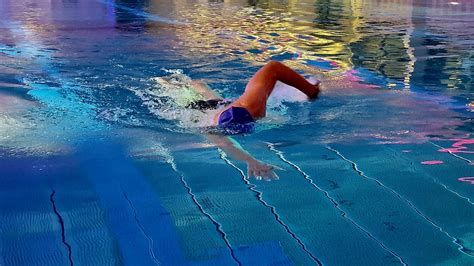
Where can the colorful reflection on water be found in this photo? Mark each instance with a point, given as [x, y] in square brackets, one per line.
[93, 155]
[404, 45]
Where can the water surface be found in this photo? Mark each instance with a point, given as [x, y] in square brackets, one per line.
[99, 165]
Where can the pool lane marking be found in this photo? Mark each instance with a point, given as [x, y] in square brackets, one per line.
[259, 196]
[455, 240]
[150, 240]
[45, 63]
[437, 181]
[280, 155]
[61, 223]
[218, 226]
[452, 191]
[452, 153]
[54, 73]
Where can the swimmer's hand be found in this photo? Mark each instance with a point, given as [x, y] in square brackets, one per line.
[317, 88]
[260, 170]
[255, 168]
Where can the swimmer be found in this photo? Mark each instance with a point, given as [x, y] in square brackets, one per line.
[239, 116]
[253, 102]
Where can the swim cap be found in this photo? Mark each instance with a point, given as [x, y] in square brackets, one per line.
[236, 120]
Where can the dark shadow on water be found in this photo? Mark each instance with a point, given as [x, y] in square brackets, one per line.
[128, 15]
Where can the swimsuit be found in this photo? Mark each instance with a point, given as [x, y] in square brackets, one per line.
[232, 121]
[207, 104]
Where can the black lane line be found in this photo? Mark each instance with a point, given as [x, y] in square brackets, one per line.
[61, 222]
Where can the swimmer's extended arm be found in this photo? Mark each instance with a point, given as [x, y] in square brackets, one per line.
[230, 147]
[255, 168]
[202, 88]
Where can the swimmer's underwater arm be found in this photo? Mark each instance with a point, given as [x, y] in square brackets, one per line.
[230, 147]
[255, 168]
[202, 88]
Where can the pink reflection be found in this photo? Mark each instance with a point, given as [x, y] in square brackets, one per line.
[469, 179]
[459, 146]
[10, 103]
[432, 162]
[353, 79]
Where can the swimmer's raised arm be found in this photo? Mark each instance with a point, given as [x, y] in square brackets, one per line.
[261, 85]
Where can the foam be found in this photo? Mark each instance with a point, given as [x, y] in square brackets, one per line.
[169, 96]
[285, 93]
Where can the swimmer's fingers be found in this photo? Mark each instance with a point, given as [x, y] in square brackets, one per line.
[258, 175]
[270, 175]
[252, 173]
[249, 174]
[260, 171]
[274, 176]
[265, 175]
[276, 167]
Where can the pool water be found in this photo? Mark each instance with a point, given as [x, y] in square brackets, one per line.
[101, 165]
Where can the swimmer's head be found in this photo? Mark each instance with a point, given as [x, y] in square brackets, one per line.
[236, 120]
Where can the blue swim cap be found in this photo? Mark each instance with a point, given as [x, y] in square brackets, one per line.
[236, 120]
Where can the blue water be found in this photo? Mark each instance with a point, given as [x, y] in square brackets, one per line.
[101, 165]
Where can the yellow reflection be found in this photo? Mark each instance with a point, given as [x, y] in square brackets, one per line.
[453, 64]
[283, 31]
[410, 52]
[470, 106]
[303, 33]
